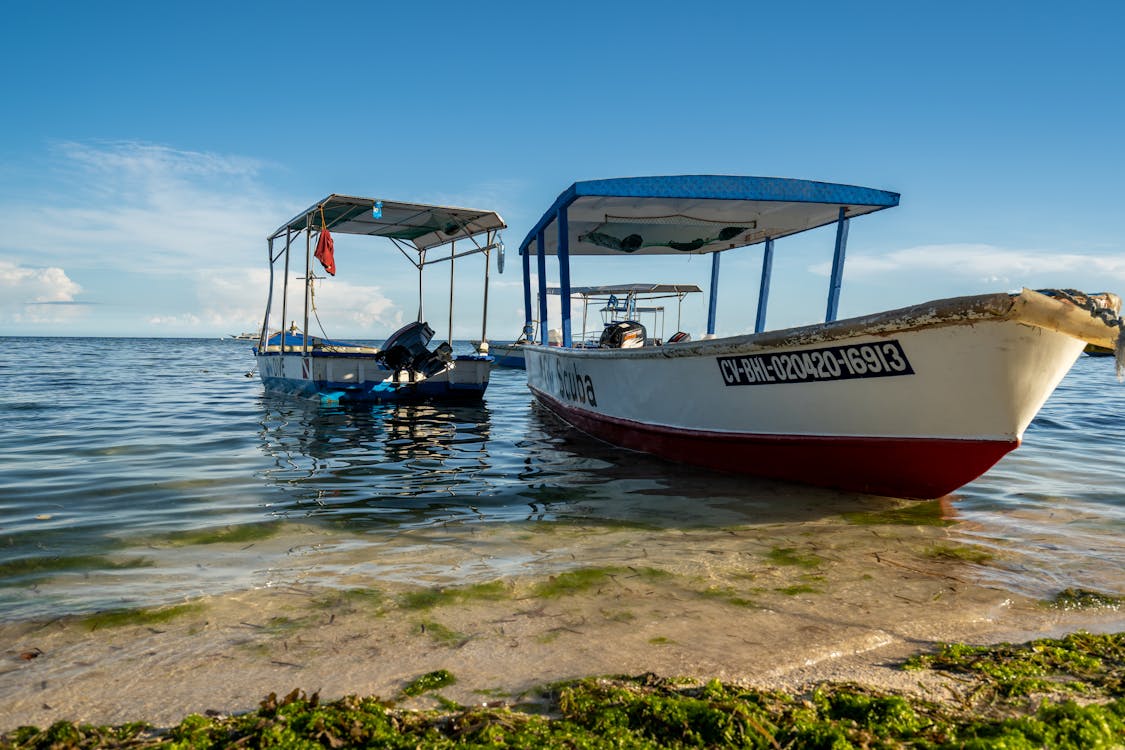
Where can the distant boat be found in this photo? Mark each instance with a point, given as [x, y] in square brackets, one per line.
[246, 336]
[1093, 350]
[405, 368]
[509, 355]
[914, 402]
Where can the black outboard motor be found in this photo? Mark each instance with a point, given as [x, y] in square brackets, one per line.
[625, 334]
[431, 363]
[407, 344]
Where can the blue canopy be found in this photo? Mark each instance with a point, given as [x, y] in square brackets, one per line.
[695, 214]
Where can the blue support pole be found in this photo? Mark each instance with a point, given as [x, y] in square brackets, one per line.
[712, 304]
[564, 275]
[541, 260]
[837, 267]
[764, 288]
[527, 328]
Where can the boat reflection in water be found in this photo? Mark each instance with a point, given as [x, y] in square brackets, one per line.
[350, 460]
[501, 460]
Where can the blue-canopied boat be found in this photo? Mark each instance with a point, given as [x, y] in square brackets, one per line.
[912, 402]
[405, 367]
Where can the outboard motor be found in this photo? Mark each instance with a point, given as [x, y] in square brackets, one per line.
[431, 363]
[625, 334]
[407, 344]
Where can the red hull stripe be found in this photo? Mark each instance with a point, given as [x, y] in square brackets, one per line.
[921, 468]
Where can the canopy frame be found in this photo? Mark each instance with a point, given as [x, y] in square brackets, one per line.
[412, 228]
[691, 215]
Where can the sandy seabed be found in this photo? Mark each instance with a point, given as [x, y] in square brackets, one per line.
[761, 606]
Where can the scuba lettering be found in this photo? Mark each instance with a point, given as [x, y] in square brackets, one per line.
[573, 385]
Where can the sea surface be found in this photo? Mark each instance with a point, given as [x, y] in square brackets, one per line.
[121, 459]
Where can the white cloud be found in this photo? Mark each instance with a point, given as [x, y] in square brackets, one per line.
[169, 241]
[234, 300]
[141, 207]
[354, 309]
[985, 263]
[37, 295]
[176, 323]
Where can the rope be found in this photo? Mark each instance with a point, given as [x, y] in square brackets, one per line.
[312, 293]
[1112, 318]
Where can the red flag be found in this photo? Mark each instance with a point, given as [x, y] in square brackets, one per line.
[324, 247]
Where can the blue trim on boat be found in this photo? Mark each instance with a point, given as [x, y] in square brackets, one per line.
[713, 299]
[564, 275]
[837, 268]
[541, 261]
[377, 393]
[320, 353]
[764, 287]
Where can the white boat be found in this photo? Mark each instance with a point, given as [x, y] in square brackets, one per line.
[405, 367]
[910, 403]
[509, 355]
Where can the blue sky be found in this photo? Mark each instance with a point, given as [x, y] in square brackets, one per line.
[147, 149]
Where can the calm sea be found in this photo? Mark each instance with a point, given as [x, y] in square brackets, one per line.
[117, 454]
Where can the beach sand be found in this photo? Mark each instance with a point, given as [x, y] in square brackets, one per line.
[509, 608]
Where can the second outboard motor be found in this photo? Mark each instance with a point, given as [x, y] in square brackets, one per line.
[431, 363]
[625, 334]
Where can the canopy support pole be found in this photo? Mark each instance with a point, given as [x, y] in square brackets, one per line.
[484, 313]
[308, 283]
[263, 332]
[837, 267]
[541, 261]
[764, 289]
[713, 302]
[564, 276]
[526, 259]
[452, 247]
[421, 265]
[285, 289]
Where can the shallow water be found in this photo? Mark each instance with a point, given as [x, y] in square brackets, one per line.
[139, 472]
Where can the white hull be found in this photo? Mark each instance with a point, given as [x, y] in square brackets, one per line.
[360, 377]
[914, 403]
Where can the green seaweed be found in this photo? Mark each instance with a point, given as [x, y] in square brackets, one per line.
[583, 525]
[360, 597]
[959, 553]
[121, 617]
[1075, 663]
[574, 582]
[647, 711]
[428, 598]
[429, 681]
[440, 633]
[651, 575]
[790, 556]
[41, 565]
[1075, 599]
[728, 595]
[238, 534]
[928, 513]
[282, 625]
